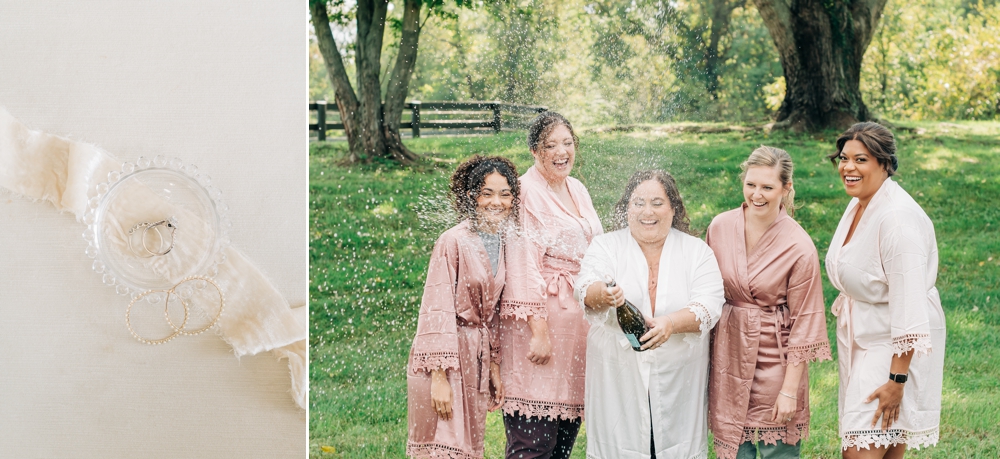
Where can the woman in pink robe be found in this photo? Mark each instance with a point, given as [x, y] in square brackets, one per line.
[453, 375]
[543, 331]
[773, 322]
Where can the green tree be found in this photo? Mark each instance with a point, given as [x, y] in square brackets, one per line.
[371, 124]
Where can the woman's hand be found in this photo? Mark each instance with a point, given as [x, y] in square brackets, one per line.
[783, 410]
[539, 347]
[441, 394]
[496, 386]
[889, 396]
[660, 329]
[600, 296]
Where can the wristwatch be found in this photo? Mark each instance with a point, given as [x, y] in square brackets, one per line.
[899, 378]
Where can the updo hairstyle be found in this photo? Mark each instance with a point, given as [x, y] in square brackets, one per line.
[542, 126]
[778, 159]
[877, 139]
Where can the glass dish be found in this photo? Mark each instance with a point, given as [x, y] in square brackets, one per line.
[134, 247]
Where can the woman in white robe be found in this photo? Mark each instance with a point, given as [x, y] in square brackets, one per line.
[890, 325]
[651, 403]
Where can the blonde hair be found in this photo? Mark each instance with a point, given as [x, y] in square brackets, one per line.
[776, 158]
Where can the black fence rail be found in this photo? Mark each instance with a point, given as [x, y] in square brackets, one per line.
[428, 115]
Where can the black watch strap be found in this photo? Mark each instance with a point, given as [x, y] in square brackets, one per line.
[899, 378]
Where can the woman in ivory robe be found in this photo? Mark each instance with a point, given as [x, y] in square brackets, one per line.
[651, 403]
[890, 326]
[774, 319]
[453, 373]
[543, 333]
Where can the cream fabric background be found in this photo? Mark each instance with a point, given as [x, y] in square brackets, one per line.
[220, 84]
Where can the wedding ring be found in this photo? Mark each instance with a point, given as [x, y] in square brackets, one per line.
[131, 236]
[170, 224]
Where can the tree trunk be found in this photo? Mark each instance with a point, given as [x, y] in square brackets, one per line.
[347, 102]
[721, 12]
[821, 44]
[372, 130]
[399, 82]
[368, 61]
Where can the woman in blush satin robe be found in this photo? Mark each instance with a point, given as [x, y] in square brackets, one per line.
[650, 403]
[883, 259]
[543, 333]
[774, 321]
[453, 375]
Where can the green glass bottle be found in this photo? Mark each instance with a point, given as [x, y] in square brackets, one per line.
[631, 321]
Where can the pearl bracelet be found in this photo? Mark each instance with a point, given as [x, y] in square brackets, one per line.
[786, 395]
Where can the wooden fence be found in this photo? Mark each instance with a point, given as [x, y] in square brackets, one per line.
[420, 110]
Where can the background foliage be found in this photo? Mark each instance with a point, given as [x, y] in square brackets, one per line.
[608, 61]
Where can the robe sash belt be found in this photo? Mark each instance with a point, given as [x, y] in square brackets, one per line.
[782, 319]
[484, 353]
[556, 270]
[842, 308]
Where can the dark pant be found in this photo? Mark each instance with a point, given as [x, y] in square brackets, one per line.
[779, 451]
[539, 438]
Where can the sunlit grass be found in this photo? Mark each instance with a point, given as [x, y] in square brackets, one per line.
[372, 229]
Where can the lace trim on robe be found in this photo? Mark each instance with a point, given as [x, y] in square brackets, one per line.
[515, 406]
[866, 438]
[704, 324]
[767, 435]
[437, 450]
[522, 309]
[725, 450]
[809, 353]
[427, 361]
[917, 342]
[593, 317]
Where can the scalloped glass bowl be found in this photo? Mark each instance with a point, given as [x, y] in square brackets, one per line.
[140, 187]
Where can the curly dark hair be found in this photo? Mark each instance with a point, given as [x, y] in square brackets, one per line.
[877, 139]
[542, 126]
[681, 220]
[468, 180]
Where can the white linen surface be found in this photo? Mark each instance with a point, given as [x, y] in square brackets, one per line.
[220, 85]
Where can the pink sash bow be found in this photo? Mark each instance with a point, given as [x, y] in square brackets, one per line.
[560, 272]
[781, 319]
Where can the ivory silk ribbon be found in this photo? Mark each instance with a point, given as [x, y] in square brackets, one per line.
[61, 171]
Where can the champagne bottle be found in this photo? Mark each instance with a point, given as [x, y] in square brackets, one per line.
[631, 321]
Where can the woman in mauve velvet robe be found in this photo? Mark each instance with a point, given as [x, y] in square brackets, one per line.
[457, 340]
[543, 332]
[773, 320]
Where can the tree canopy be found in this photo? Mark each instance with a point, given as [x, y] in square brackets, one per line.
[602, 61]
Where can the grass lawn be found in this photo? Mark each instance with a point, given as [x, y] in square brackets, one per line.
[373, 227]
